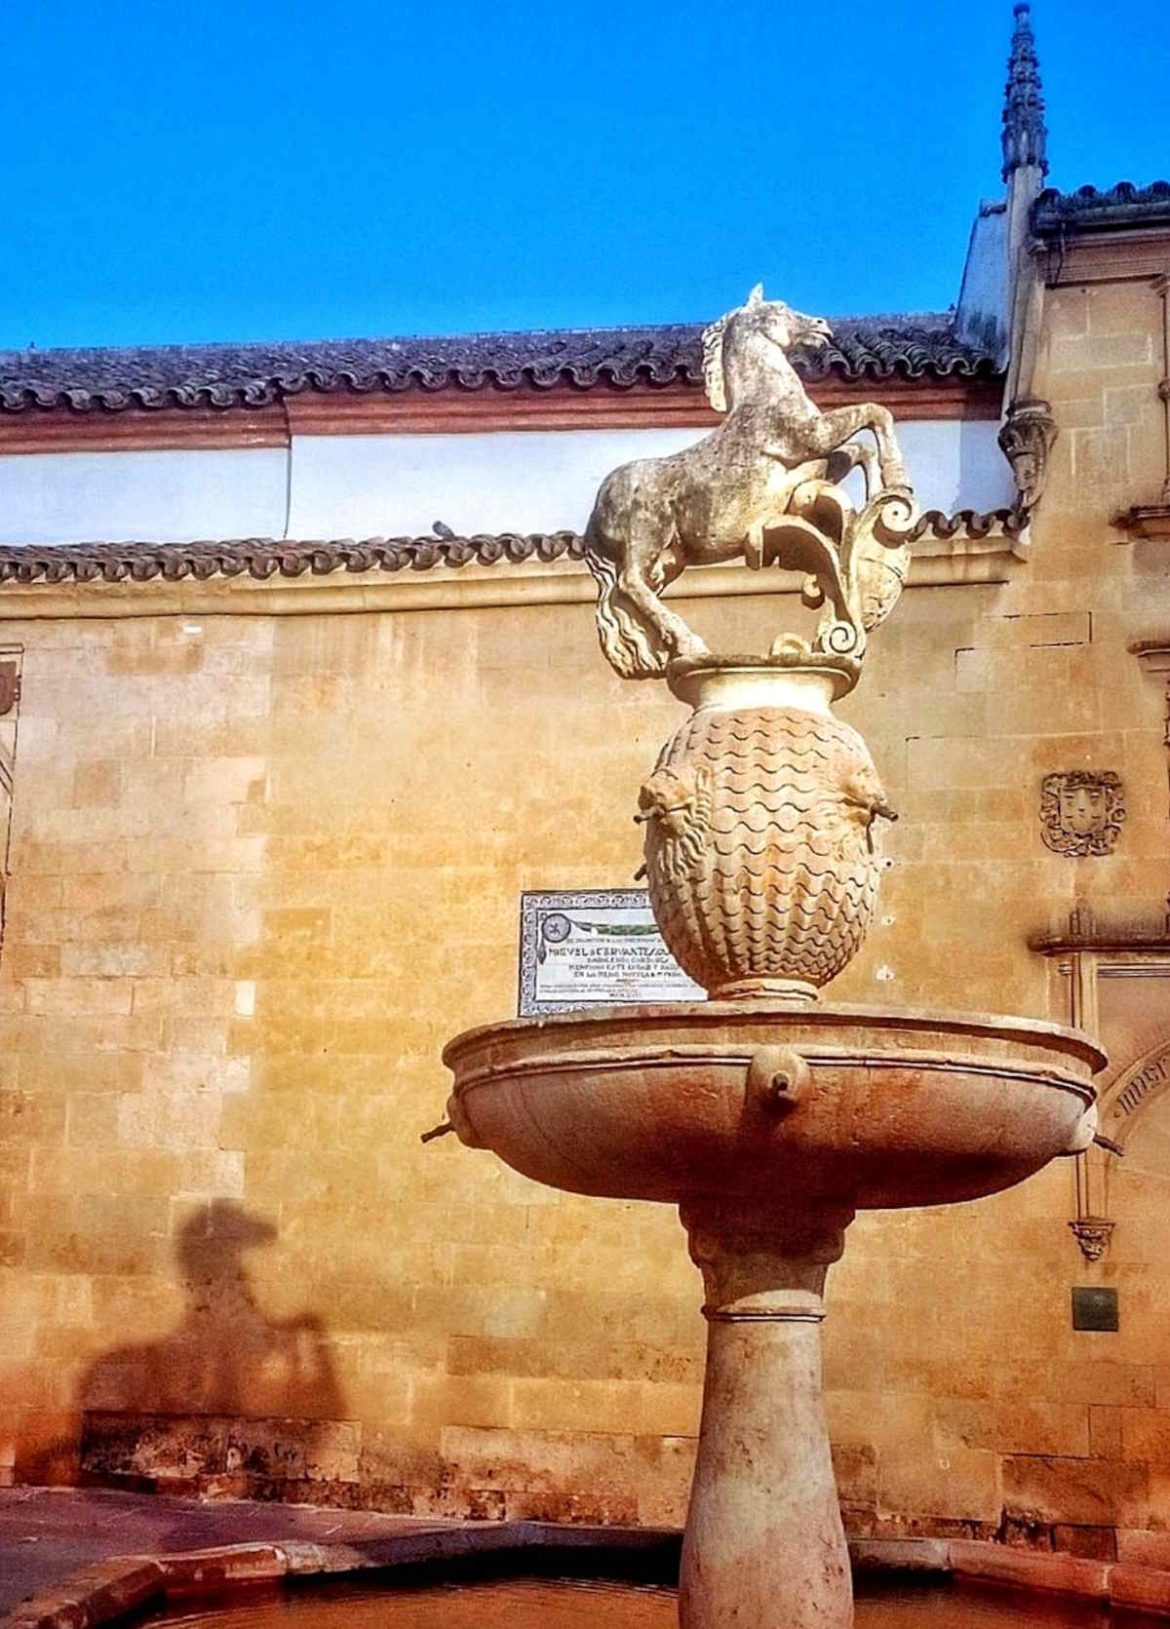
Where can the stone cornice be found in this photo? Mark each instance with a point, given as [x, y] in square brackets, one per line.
[1117, 256]
[1149, 521]
[1116, 940]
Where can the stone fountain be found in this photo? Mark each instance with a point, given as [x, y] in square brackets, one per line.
[768, 1116]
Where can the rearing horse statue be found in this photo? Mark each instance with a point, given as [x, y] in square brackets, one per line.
[710, 502]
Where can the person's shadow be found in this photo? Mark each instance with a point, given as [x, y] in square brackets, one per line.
[227, 1358]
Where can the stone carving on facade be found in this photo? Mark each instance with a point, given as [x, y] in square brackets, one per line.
[1026, 439]
[1081, 812]
[1025, 136]
[9, 686]
[763, 487]
[1092, 1234]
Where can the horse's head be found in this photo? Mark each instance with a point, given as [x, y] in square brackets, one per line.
[782, 324]
[745, 354]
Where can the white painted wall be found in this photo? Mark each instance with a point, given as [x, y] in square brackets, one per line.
[398, 485]
[537, 481]
[509, 481]
[957, 464]
[119, 497]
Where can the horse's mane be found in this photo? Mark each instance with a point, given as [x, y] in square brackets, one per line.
[714, 380]
[713, 364]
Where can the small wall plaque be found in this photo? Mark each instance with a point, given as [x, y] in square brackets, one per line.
[1095, 1308]
[594, 947]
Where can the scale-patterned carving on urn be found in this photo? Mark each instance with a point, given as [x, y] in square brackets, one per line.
[761, 851]
[762, 843]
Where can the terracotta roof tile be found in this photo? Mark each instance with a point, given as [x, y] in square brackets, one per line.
[227, 376]
[262, 558]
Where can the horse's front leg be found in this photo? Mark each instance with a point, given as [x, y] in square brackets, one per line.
[889, 453]
[843, 422]
[871, 467]
[848, 458]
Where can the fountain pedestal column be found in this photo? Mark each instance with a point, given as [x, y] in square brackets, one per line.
[764, 1543]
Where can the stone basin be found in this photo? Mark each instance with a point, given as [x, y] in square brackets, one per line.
[868, 1107]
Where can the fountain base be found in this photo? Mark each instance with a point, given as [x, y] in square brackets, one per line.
[769, 1125]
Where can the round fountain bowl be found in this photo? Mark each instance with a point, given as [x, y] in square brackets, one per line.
[753, 1099]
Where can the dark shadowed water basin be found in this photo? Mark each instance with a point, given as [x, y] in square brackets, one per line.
[575, 1603]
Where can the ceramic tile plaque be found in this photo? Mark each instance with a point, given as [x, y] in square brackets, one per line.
[594, 948]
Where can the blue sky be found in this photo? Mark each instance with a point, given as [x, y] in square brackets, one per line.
[255, 169]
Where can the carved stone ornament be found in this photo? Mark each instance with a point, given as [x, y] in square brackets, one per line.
[767, 1123]
[762, 815]
[1092, 1234]
[1081, 812]
[761, 857]
[1026, 438]
[762, 487]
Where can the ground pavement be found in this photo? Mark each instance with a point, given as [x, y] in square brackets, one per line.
[47, 1534]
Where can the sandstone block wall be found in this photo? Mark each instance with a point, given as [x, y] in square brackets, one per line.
[261, 869]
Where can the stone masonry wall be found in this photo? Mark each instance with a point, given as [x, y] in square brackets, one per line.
[262, 869]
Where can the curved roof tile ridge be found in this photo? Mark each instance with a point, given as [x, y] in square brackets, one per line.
[112, 379]
[1123, 202]
[262, 558]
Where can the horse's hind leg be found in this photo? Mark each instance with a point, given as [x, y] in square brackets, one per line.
[672, 634]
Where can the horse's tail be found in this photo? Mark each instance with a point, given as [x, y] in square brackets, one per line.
[622, 635]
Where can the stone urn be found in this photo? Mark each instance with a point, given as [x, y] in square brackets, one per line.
[762, 822]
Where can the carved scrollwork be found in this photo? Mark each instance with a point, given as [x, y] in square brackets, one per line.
[856, 563]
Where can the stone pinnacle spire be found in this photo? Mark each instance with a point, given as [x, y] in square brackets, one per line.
[1025, 137]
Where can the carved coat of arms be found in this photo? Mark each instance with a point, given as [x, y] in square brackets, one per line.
[1081, 812]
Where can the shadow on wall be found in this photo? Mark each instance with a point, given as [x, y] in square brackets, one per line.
[232, 1400]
